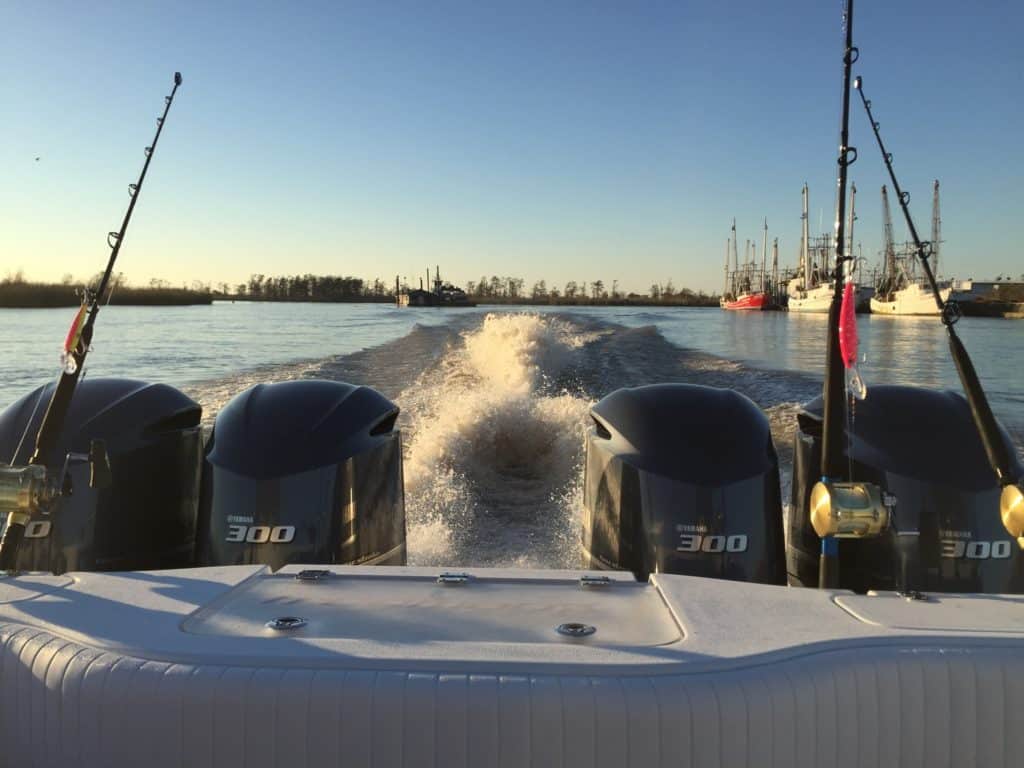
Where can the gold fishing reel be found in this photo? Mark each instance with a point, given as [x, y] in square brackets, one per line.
[25, 491]
[848, 510]
[1011, 510]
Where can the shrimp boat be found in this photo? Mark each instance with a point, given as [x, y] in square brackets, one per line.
[812, 289]
[901, 290]
[243, 599]
[739, 292]
[746, 300]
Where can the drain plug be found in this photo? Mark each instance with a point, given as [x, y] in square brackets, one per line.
[282, 623]
[575, 629]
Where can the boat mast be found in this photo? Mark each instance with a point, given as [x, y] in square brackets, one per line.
[746, 263]
[764, 257]
[735, 253]
[936, 229]
[775, 265]
[725, 288]
[805, 246]
[887, 243]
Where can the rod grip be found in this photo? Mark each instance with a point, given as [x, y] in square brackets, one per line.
[10, 545]
[828, 564]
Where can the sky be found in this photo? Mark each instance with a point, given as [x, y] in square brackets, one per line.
[545, 140]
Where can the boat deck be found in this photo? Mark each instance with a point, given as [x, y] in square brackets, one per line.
[393, 668]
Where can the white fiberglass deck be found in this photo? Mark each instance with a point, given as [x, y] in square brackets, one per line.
[391, 668]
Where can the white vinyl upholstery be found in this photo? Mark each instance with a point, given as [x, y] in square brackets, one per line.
[784, 677]
[66, 704]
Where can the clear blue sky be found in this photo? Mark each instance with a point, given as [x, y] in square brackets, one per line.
[545, 140]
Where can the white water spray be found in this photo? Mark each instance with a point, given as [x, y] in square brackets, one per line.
[494, 449]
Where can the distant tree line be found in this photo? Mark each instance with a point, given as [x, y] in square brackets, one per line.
[310, 287]
[486, 290]
[511, 290]
[16, 291]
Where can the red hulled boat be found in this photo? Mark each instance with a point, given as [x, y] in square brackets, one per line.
[758, 300]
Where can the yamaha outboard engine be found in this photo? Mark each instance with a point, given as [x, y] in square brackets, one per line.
[145, 442]
[922, 449]
[304, 472]
[683, 479]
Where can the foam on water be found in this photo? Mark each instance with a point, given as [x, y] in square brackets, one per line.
[494, 447]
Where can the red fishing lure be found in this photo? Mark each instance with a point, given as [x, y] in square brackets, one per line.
[75, 331]
[848, 326]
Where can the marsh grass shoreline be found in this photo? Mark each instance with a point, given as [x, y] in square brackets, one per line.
[25, 295]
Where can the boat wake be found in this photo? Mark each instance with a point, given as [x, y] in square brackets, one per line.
[494, 412]
[493, 452]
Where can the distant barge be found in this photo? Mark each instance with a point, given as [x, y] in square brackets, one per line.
[442, 295]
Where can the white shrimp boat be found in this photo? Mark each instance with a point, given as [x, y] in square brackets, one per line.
[819, 298]
[812, 290]
[914, 299]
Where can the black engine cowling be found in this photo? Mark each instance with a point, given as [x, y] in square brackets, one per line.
[146, 518]
[683, 479]
[304, 472]
[922, 448]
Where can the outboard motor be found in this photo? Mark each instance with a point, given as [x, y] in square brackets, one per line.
[304, 472]
[143, 446]
[922, 449]
[683, 479]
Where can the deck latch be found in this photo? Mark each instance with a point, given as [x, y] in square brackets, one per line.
[312, 575]
[590, 582]
[449, 579]
[285, 623]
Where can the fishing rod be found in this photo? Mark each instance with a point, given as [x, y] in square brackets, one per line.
[27, 489]
[1012, 499]
[842, 508]
[835, 390]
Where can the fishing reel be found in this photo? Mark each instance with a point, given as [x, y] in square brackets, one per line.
[32, 489]
[25, 491]
[848, 510]
[1011, 510]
